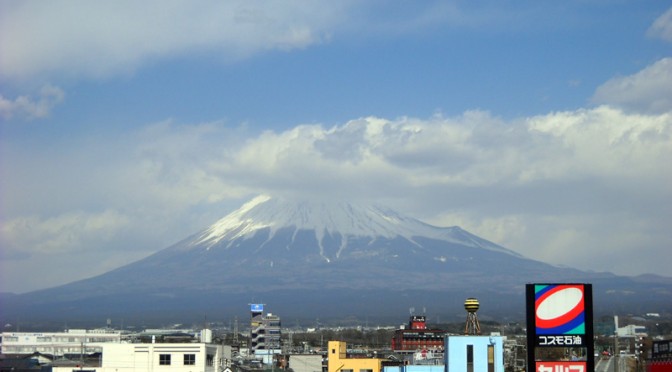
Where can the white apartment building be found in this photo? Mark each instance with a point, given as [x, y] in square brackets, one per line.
[73, 341]
[157, 357]
[631, 330]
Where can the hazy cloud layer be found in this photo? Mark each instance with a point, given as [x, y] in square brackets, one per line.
[66, 233]
[662, 27]
[25, 107]
[82, 39]
[86, 39]
[553, 187]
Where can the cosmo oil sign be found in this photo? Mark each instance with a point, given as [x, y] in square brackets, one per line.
[560, 327]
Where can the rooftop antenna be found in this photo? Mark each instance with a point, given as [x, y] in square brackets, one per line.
[472, 327]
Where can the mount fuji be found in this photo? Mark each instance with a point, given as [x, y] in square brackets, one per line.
[324, 259]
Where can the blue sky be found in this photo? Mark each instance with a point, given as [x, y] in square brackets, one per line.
[542, 126]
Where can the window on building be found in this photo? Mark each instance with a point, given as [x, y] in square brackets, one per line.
[189, 359]
[164, 359]
[210, 360]
[491, 358]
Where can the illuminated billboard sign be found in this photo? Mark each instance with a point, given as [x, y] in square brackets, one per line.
[559, 317]
[560, 309]
[257, 308]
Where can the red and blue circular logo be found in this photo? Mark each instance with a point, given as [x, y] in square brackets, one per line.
[559, 309]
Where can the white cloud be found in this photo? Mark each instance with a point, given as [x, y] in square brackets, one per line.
[85, 39]
[602, 142]
[475, 149]
[25, 107]
[648, 91]
[662, 27]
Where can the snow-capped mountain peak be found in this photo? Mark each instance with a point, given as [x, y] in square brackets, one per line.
[330, 218]
[236, 224]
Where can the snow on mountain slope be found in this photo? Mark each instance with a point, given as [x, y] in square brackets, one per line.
[331, 218]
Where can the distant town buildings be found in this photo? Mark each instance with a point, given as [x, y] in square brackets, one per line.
[58, 344]
[171, 350]
[414, 348]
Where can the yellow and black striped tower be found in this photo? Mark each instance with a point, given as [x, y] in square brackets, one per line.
[472, 327]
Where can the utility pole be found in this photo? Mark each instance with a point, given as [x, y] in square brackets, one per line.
[235, 331]
[616, 351]
[289, 347]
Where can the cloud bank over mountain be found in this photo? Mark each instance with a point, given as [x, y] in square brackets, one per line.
[558, 187]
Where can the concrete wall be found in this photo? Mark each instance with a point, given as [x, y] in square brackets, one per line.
[305, 363]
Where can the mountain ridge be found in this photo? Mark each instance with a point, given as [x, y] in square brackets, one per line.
[378, 264]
